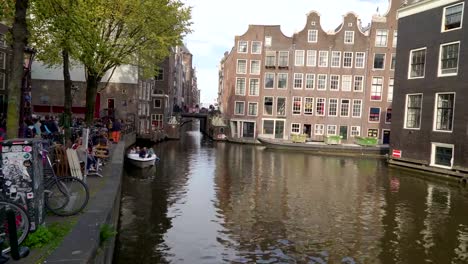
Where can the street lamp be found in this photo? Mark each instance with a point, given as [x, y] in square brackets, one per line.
[26, 99]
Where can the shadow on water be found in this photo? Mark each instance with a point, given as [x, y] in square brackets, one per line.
[209, 202]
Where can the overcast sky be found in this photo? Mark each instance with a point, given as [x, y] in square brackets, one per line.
[216, 22]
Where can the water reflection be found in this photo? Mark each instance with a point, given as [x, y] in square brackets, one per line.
[222, 203]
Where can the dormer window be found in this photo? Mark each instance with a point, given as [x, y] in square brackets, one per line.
[453, 17]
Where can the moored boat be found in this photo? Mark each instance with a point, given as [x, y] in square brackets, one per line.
[139, 162]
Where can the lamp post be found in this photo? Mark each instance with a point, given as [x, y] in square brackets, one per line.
[26, 99]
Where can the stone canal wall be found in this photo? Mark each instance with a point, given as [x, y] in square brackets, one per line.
[82, 244]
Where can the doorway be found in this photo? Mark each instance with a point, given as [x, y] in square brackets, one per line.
[386, 137]
[344, 132]
[279, 129]
[248, 129]
[308, 130]
[110, 107]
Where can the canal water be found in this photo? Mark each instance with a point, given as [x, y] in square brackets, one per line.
[208, 202]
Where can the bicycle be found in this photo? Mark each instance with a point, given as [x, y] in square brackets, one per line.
[22, 223]
[64, 196]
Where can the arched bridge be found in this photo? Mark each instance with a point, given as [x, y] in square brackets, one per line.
[203, 117]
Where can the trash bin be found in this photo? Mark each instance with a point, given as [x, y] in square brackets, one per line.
[21, 176]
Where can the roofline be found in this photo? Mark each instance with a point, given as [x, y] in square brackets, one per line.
[422, 6]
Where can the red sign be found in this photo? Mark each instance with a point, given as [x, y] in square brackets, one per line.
[396, 153]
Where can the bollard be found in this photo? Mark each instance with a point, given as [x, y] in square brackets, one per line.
[16, 251]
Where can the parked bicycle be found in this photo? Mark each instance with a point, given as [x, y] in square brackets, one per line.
[21, 219]
[64, 196]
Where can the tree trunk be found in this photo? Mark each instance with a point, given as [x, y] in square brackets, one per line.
[67, 85]
[91, 91]
[20, 40]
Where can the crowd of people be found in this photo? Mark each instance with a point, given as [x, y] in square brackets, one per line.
[142, 152]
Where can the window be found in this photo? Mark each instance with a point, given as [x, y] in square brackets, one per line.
[239, 109]
[269, 80]
[346, 82]
[417, 63]
[322, 82]
[323, 58]
[357, 106]
[395, 38]
[310, 81]
[388, 116]
[254, 87]
[298, 80]
[360, 59]
[268, 41]
[299, 58]
[280, 106]
[379, 61]
[358, 83]
[159, 75]
[312, 36]
[2, 40]
[157, 121]
[255, 67]
[256, 47]
[349, 37]
[448, 64]
[282, 80]
[390, 90]
[297, 105]
[157, 103]
[376, 89]
[374, 114]
[283, 59]
[344, 107]
[2, 81]
[320, 107]
[308, 105]
[332, 107]
[393, 62]
[268, 106]
[381, 38]
[372, 132]
[335, 59]
[355, 131]
[253, 109]
[242, 46]
[295, 128]
[319, 129]
[444, 111]
[241, 66]
[348, 60]
[442, 155]
[453, 17]
[268, 127]
[311, 58]
[331, 130]
[334, 82]
[270, 59]
[413, 110]
[240, 86]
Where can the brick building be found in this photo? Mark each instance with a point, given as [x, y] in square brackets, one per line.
[431, 86]
[314, 82]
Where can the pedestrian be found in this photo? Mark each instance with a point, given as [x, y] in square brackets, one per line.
[116, 128]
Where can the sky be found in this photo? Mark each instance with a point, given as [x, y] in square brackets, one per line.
[217, 22]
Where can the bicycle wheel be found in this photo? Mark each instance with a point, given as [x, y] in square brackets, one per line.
[66, 196]
[22, 223]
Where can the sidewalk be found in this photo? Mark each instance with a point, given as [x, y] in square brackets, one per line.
[82, 244]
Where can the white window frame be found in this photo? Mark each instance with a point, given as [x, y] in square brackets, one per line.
[360, 108]
[295, 127]
[296, 78]
[333, 128]
[324, 100]
[362, 63]
[380, 44]
[386, 114]
[268, 41]
[376, 129]
[434, 125]
[250, 87]
[293, 105]
[3, 62]
[344, 59]
[259, 44]
[361, 86]
[392, 58]
[239, 46]
[154, 103]
[248, 108]
[406, 111]
[380, 114]
[265, 83]
[279, 58]
[347, 36]
[395, 38]
[337, 80]
[335, 61]
[312, 36]
[277, 104]
[319, 129]
[341, 107]
[325, 53]
[324, 81]
[243, 108]
[345, 83]
[353, 129]
[308, 100]
[313, 81]
[252, 68]
[443, 18]
[410, 63]
[433, 152]
[298, 58]
[272, 105]
[336, 108]
[375, 85]
[391, 84]
[311, 60]
[237, 91]
[383, 64]
[278, 79]
[439, 67]
[237, 66]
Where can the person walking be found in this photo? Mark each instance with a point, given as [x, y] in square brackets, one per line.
[116, 128]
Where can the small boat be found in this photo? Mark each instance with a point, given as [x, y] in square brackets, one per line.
[142, 162]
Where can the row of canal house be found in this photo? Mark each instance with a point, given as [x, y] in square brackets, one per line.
[314, 82]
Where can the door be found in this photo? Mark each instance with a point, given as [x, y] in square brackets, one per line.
[248, 129]
[308, 130]
[386, 137]
[279, 129]
[110, 107]
[344, 132]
